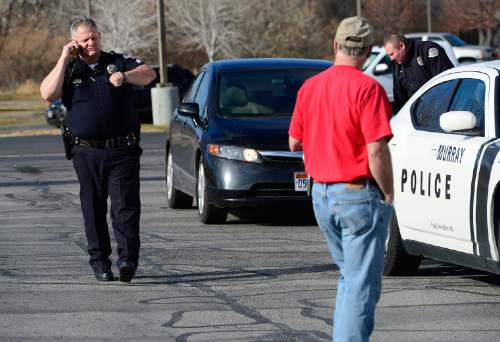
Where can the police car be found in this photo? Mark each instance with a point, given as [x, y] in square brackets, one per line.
[446, 165]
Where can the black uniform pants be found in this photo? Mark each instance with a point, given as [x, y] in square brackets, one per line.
[114, 173]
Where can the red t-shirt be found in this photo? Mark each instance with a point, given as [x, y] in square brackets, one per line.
[337, 113]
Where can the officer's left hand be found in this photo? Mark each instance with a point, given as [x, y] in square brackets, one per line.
[117, 78]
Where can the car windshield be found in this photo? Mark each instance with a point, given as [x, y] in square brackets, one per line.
[260, 93]
[370, 59]
[454, 40]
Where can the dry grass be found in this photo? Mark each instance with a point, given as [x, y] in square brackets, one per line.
[29, 132]
[28, 90]
[23, 107]
[29, 87]
[22, 120]
[149, 128]
[8, 121]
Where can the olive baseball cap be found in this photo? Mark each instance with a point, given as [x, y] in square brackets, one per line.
[354, 32]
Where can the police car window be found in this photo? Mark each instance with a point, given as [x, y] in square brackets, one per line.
[427, 109]
[202, 94]
[470, 96]
[194, 87]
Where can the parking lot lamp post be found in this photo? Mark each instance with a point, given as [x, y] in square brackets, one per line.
[164, 97]
[429, 21]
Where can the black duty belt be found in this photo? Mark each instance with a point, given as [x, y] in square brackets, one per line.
[126, 140]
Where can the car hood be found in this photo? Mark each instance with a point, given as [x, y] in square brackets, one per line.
[474, 47]
[264, 133]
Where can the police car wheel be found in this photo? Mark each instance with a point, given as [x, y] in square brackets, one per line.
[397, 261]
[175, 199]
[209, 214]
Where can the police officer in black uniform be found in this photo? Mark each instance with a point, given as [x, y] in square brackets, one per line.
[103, 136]
[416, 63]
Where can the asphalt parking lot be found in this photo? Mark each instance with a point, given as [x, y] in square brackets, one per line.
[265, 275]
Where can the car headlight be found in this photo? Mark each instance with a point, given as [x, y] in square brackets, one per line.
[234, 152]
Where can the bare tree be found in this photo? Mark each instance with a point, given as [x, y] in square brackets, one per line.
[207, 25]
[481, 16]
[388, 16]
[6, 12]
[126, 25]
[299, 31]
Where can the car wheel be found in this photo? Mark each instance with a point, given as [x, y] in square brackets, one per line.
[209, 214]
[397, 261]
[175, 199]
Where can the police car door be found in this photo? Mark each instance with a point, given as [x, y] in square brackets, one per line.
[435, 171]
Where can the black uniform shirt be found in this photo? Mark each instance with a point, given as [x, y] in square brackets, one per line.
[424, 61]
[96, 108]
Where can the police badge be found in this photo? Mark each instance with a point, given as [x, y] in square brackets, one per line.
[111, 69]
[433, 52]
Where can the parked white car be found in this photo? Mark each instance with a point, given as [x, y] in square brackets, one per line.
[379, 66]
[446, 165]
[464, 52]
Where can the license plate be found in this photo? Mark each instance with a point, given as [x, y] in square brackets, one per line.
[301, 181]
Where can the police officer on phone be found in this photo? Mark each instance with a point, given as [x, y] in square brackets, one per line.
[103, 133]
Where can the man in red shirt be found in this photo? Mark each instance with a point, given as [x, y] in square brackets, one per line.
[341, 122]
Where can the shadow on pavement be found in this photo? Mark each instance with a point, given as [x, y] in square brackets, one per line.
[275, 216]
[200, 277]
[433, 268]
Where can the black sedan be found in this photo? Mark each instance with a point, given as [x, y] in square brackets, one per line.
[228, 140]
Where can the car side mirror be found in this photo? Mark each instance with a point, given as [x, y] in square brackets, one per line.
[189, 109]
[380, 69]
[457, 121]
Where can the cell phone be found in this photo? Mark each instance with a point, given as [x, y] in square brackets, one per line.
[75, 52]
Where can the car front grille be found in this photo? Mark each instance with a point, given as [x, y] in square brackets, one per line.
[282, 156]
[276, 190]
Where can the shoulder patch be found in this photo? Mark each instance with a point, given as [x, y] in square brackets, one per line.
[433, 52]
[126, 55]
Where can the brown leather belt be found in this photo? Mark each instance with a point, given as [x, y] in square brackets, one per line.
[357, 184]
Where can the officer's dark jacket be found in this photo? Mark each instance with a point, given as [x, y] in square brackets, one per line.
[96, 108]
[424, 61]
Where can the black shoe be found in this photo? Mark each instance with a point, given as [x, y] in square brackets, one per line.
[127, 271]
[103, 273]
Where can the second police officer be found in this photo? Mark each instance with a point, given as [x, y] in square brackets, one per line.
[416, 63]
[103, 133]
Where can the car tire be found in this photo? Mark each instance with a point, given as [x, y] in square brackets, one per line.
[209, 214]
[175, 199]
[397, 261]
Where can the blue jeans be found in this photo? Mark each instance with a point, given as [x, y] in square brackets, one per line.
[355, 224]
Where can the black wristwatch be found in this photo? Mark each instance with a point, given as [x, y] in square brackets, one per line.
[125, 77]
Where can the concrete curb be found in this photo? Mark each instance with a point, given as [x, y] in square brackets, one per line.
[27, 132]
